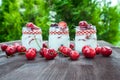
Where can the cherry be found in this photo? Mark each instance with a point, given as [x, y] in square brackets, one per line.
[74, 55]
[21, 49]
[30, 54]
[62, 24]
[88, 52]
[72, 46]
[50, 54]
[83, 24]
[98, 50]
[4, 47]
[10, 50]
[106, 51]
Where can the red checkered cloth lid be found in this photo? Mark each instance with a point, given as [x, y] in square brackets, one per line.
[85, 32]
[58, 32]
[32, 32]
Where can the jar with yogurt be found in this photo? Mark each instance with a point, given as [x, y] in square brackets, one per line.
[32, 36]
[85, 35]
[58, 35]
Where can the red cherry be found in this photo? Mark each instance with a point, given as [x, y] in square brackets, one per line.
[106, 51]
[4, 47]
[89, 52]
[42, 51]
[72, 45]
[74, 55]
[98, 50]
[31, 25]
[93, 52]
[30, 54]
[10, 50]
[66, 51]
[53, 52]
[62, 24]
[21, 49]
[84, 48]
[44, 45]
[50, 54]
[86, 51]
[69, 51]
[16, 46]
[83, 24]
[61, 48]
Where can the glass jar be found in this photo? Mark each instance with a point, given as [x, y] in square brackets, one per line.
[58, 37]
[85, 37]
[32, 38]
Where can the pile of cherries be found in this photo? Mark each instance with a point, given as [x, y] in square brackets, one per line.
[90, 52]
[47, 53]
[12, 49]
[30, 54]
[69, 52]
[87, 51]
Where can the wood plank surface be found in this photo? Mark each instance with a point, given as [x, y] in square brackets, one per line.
[61, 68]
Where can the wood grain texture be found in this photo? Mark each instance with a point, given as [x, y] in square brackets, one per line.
[61, 68]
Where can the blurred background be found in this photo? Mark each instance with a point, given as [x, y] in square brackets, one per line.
[104, 14]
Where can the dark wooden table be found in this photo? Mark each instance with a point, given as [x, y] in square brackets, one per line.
[61, 68]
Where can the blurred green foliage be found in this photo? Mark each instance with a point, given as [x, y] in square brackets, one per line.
[14, 14]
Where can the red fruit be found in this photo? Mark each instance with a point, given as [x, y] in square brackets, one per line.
[16, 46]
[50, 54]
[61, 48]
[44, 45]
[53, 52]
[98, 50]
[30, 54]
[42, 51]
[4, 47]
[83, 24]
[106, 51]
[74, 55]
[66, 51]
[21, 49]
[69, 51]
[84, 48]
[10, 50]
[62, 24]
[88, 52]
[72, 45]
[31, 25]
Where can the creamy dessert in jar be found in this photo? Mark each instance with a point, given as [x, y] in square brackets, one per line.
[58, 35]
[85, 35]
[32, 36]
